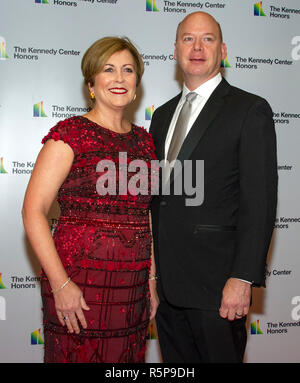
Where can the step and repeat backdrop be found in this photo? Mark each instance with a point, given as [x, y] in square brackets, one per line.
[41, 46]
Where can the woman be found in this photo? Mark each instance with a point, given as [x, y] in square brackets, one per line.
[95, 270]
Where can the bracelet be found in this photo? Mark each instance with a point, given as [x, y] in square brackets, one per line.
[62, 286]
[152, 277]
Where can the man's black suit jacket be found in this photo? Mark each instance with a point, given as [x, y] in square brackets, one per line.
[197, 248]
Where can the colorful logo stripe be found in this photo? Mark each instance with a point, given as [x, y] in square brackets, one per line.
[255, 329]
[1, 283]
[225, 63]
[151, 6]
[36, 337]
[38, 110]
[149, 112]
[2, 171]
[258, 10]
[151, 333]
[3, 54]
[41, 1]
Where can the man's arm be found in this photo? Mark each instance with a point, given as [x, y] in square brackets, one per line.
[257, 208]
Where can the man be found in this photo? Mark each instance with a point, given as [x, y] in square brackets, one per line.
[208, 256]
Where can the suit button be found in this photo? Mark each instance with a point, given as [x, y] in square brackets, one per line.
[163, 203]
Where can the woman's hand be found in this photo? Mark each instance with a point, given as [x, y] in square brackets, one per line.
[154, 300]
[69, 303]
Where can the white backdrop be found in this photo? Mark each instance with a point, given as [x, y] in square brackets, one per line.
[41, 46]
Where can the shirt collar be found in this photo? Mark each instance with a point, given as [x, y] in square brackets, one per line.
[205, 89]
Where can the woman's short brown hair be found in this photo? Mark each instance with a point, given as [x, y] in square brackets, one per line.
[98, 54]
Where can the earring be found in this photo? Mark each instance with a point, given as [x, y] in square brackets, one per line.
[92, 95]
[134, 97]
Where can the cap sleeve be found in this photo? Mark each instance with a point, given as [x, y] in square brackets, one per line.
[65, 131]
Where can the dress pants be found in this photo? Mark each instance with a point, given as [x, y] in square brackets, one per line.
[199, 336]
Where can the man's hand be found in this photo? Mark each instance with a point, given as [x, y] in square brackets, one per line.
[236, 299]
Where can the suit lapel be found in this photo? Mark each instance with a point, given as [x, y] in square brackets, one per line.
[210, 111]
[208, 114]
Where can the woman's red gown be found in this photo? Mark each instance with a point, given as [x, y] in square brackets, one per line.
[104, 242]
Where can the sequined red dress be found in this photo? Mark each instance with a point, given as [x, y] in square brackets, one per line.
[104, 243]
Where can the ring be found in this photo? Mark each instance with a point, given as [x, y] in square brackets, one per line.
[239, 315]
[65, 318]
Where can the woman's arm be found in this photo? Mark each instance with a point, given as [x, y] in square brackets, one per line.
[51, 168]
